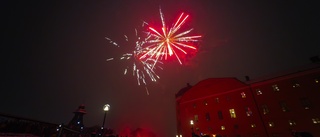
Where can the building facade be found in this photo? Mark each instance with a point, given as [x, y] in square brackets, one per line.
[273, 107]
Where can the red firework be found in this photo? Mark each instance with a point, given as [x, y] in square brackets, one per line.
[170, 41]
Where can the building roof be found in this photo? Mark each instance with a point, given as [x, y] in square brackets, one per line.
[286, 73]
[183, 90]
[210, 87]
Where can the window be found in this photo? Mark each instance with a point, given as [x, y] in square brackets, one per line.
[220, 116]
[317, 80]
[228, 98]
[253, 125]
[236, 126]
[315, 120]
[295, 84]
[194, 105]
[284, 106]
[196, 118]
[258, 91]
[275, 88]
[232, 113]
[270, 124]
[217, 100]
[208, 116]
[248, 111]
[243, 95]
[223, 128]
[292, 123]
[265, 109]
[205, 103]
[305, 103]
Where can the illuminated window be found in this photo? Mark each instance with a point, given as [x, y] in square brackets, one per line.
[205, 103]
[232, 113]
[258, 92]
[243, 95]
[220, 116]
[265, 109]
[284, 106]
[196, 118]
[306, 104]
[292, 123]
[223, 128]
[208, 116]
[275, 88]
[217, 100]
[316, 121]
[248, 111]
[270, 124]
[317, 80]
[295, 84]
[253, 125]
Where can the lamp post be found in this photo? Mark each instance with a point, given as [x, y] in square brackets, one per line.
[106, 108]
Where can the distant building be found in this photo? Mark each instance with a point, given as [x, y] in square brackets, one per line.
[273, 107]
[76, 122]
[75, 127]
[15, 126]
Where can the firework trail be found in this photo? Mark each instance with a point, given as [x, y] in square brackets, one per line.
[142, 69]
[153, 46]
[169, 41]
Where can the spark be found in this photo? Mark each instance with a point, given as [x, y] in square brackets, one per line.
[152, 46]
[142, 69]
[170, 41]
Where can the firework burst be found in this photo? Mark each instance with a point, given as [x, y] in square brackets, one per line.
[151, 46]
[143, 69]
[170, 41]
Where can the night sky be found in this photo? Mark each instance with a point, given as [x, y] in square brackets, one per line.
[53, 55]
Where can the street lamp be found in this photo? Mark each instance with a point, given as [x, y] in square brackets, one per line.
[106, 108]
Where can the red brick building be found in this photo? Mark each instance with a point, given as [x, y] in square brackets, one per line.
[270, 107]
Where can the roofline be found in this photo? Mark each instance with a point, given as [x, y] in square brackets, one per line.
[284, 76]
[23, 118]
[201, 98]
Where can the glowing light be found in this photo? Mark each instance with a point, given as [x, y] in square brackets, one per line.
[168, 42]
[191, 122]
